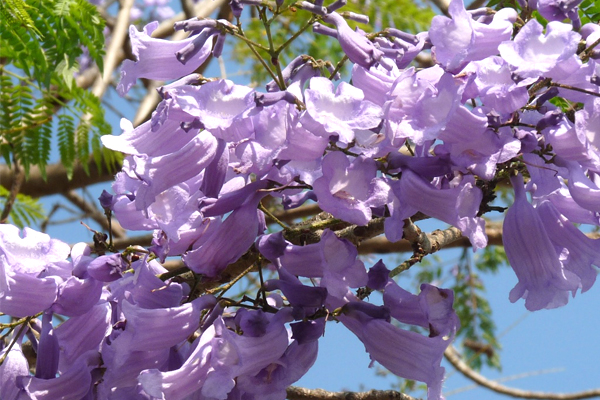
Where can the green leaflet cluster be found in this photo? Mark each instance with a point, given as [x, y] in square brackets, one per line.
[40, 44]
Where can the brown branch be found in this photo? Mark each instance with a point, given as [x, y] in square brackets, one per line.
[298, 393]
[113, 53]
[454, 358]
[476, 4]
[140, 240]
[94, 213]
[442, 5]
[381, 245]
[57, 181]
[15, 186]
[436, 240]
[188, 8]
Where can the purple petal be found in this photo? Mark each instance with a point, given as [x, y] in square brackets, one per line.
[543, 282]
[156, 58]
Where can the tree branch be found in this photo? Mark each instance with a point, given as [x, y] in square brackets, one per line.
[298, 393]
[15, 186]
[57, 181]
[454, 358]
[118, 40]
[442, 5]
[476, 4]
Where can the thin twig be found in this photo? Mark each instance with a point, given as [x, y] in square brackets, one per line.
[437, 239]
[454, 358]
[576, 89]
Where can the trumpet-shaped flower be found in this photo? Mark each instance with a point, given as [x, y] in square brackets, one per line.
[543, 280]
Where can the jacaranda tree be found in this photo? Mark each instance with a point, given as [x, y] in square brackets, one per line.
[360, 122]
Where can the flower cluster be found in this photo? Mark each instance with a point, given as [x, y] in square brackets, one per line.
[396, 142]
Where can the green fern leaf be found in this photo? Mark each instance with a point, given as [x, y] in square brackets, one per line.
[15, 12]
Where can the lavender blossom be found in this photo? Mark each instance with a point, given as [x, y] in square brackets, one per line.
[414, 357]
[348, 190]
[156, 58]
[219, 356]
[14, 366]
[457, 205]
[420, 105]
[543, 280]
[356, 46]
[533, 53]
[337, 113]
[461, 39]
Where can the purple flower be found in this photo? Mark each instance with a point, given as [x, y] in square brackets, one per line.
[415, 356]
[338, 113]
[348, 190]
[547, 185]
[585, 192]
[32, 252]
[219, 357]
[278, 135]
[570, 141]
[357, 47]
[332, 259]
[156, 58]
[14, 366]
[145, 140]
[308, 330]
[461, 39]
[582, 252]
[473, 145]
[587, 126]
[290, 71]
[270, 382]
[162, 172]
[431, 309]
[543, 281]
[78, 335]
[33, 263]
[77, 296]
[108, 268]
[106, 200]
[495, 85]
[231, 239]
[295, 292]
[457, 205]
[157, 328]
[420, 105]
[73, 384]
[378, 276]
[374, 82]
[221, 107]
[559, 10]
[533, 53]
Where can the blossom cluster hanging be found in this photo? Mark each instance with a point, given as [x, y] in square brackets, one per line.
[397, 141]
